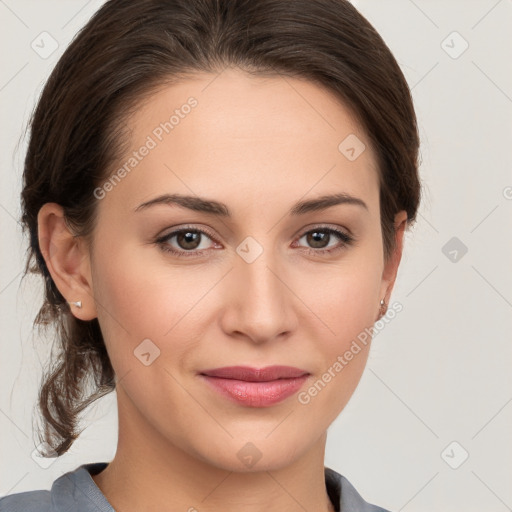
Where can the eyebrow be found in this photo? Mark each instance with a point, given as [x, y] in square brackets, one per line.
[212, 207]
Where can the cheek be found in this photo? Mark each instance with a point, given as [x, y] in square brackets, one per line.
[141, 295]
[136, 291]
[345, 299]
[346, 307]
[138, 301]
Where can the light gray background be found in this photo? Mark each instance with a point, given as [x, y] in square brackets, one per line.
[441, 370]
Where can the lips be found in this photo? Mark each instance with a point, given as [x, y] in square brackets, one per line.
[255, 387]
[249, 374]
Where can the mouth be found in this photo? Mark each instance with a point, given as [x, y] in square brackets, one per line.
[256, 387]
[249, 374]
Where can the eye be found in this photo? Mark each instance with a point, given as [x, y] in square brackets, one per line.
[188, 240]
[319, 239]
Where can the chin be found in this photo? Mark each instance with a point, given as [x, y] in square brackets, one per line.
[254, 453]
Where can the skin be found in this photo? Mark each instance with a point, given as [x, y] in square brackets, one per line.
[258, 145]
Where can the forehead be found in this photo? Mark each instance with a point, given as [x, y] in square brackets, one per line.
[239, 137]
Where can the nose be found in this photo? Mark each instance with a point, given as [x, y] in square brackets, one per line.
[259, 303]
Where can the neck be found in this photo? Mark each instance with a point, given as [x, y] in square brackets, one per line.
[150, 472]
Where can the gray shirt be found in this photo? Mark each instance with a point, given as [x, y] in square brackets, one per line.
[76, 491]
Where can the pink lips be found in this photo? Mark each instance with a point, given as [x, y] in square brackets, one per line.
[255, 387]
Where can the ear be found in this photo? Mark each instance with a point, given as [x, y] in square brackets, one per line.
[391, 266]
[68, 260]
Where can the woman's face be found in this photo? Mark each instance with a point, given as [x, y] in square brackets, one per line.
[253, 288]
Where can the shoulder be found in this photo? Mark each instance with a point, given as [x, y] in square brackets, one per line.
[74, 490]
[343, 492]
[30, 501]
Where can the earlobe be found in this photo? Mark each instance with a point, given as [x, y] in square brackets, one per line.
[67, 260]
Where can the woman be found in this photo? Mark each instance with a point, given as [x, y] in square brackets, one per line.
[216, 193]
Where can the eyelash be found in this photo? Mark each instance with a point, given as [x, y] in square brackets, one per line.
[346, 240]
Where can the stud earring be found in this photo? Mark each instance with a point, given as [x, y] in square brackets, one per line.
[78, 304]
[383, 307]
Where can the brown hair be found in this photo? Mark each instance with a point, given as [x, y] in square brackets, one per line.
[130, 48]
